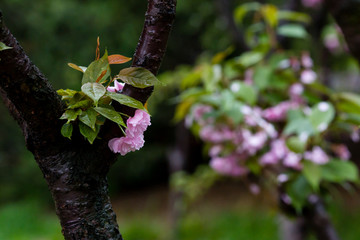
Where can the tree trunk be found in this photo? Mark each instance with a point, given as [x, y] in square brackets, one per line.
[75, 170]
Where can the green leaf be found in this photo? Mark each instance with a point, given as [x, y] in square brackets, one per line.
[269, 12]
[66, 130]
[321, 116]
[299, 126]
[111, 115]
[312, 173]
[348, 102]
[262, 76]
[292, 30]
[94, 91]
[299, 190]
[138, 77]
[88, 117]
[241, 11]
[293, 16]
[71, 114]
[244, 91]
[248, 59]
[4, 47]
[126, 100]
[88, 133]
[80, 104]
[339, 171]
[96, 70]
[67, 92]
[295, 144]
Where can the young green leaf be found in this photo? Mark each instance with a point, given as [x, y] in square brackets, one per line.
[88, 117]
[4, 47]
[76, 67]
[138, 77]
[66, 92]
[126, 100]
[88, 133]
[111, 115]
[71, 114]
[95, 70]
[66, 130]
[93, 90]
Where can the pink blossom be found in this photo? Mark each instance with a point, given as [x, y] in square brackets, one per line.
[227, 166]
[118, 86]
[341, 151]
[249, 76]
[199, 111]
[308, 76]
[311, 3]
[216, 134]
[253, 142]
[332, 42]
[317, 155]
[215, 150]
[278, 112]
[269, 158]
[296, 90]
[138, 123]
[306, 60]
[279, 148]
[293, 160]
[277, 151]
[134, 139]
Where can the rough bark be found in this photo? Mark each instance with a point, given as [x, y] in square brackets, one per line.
[346, 14]
[75, 170]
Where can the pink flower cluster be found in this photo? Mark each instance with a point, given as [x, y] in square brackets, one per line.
[134, 139]
[118, 86]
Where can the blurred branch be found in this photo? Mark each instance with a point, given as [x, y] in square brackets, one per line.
[226, 12]
[319, 220]
[346, 14]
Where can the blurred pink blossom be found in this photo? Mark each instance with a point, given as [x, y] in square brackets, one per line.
[253, 142]
[293, 160]
[278, 112]
[215, 150]
[341, 151]
[311, 3]
[118, 86]
[216, 134]
[134, 139]
[227, 166]
[317, 155]
[308, 76]
[332, 42]
[249, 76]
[269, 158]
[306, 60]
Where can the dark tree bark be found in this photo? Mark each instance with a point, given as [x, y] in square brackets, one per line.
[75, 170]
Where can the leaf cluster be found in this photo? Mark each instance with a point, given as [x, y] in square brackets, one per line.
[91, 106]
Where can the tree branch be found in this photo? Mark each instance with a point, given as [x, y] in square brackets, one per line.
[28, 95]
